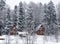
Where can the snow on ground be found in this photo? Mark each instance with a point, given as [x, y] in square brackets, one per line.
[45, 40]
[3, 41]
[23, 40]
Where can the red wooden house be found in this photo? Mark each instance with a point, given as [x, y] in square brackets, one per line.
[40, 30]
[13, 31]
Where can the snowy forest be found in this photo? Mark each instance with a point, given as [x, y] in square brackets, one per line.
[27, 18]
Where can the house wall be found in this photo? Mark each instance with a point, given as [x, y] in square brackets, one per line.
[40, 31]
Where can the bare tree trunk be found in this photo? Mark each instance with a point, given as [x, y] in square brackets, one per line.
[56, 36]
[33, 39]
[16, 40]
[27, 39]
[8, 39]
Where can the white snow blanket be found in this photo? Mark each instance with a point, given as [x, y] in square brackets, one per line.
[33, 39]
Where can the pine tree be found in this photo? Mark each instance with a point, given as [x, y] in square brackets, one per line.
[58, 16]
[8, 23]
[50, 18]
[15, 16]
[2, 4]
[30, 21]
[21, 18]
[58, 11]
[30, 24]
[40, 12]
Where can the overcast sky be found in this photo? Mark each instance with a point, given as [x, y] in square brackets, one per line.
[12, 3]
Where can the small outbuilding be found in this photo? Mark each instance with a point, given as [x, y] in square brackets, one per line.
[40, 30]
[13, 31]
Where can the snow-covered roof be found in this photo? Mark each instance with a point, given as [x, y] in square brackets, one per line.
[37, 28]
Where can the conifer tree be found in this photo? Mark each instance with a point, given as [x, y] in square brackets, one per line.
[15, 16]
[2, 4]
[30, 21]
[50, 18]
[21, 18]
[8, 23]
